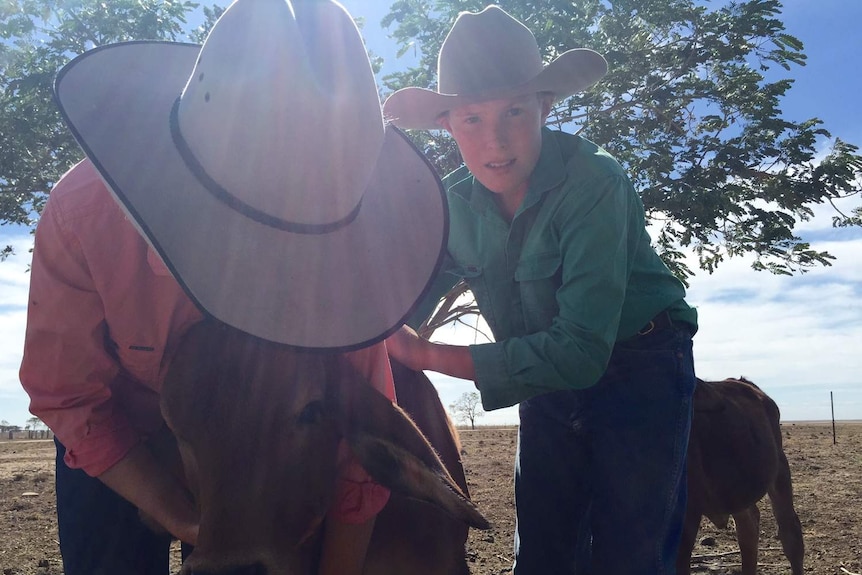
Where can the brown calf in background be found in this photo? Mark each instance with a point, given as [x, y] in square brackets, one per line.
[735, 457]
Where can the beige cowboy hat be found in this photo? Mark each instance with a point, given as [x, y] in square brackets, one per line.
[259, 167]
[489, 55]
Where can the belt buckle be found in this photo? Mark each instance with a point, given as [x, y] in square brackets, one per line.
[647, 329]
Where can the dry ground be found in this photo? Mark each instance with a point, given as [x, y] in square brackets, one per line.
[827, 480]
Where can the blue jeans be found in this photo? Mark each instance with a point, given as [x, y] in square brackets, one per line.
[100, 532]
[600, 472]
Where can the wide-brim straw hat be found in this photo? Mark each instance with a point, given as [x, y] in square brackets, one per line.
[259, 167]
[490, 55]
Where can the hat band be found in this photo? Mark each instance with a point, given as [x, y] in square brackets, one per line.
[236, 204]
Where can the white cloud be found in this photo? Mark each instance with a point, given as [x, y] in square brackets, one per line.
[797, 337]
[14, 285]
[823, 213]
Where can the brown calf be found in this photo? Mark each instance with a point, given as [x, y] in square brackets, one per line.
[735, 457]
[258, 426]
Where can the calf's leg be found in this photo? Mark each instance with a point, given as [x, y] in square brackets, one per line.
[748, 536]
[690, 527]
[789, 527]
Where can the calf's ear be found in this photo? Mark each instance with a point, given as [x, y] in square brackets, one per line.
[397, 455]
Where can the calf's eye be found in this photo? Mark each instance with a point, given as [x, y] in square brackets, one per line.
[312, 413]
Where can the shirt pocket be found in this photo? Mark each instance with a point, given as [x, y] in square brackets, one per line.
[538, 278]
[140, 359]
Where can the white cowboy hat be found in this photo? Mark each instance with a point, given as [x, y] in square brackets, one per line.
[489, 55]
[259, 168]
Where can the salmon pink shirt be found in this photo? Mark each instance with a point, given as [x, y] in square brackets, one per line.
[103, 319]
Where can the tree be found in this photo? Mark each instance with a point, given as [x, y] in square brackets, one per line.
[687, 109]
[467, 408]
[37, 37]
[32, 427]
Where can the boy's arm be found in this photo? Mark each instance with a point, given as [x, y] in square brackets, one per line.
[67, 373]
[598, 236]
[66, 369]
[573, 351]
[417, 353]
[149, 485]
[344, 547]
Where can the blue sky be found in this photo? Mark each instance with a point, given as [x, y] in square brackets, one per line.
[797, 337]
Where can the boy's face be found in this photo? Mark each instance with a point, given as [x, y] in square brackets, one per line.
[500, 140]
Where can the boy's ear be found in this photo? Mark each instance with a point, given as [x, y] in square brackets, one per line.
[443, 122]
[546, 100]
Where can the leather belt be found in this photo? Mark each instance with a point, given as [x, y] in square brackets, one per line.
[659, 322]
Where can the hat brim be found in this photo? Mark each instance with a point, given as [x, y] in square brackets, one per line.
[340, 290]
[572, 72]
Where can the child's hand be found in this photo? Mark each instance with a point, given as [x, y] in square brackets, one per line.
[406, 347]
[147, 483]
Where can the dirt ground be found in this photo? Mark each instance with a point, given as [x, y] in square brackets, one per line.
[827, 481]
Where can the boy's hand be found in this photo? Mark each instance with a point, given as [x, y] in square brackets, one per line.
[406, 347]
[148, 484]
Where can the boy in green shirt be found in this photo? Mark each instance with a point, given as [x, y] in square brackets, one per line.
[593, 335]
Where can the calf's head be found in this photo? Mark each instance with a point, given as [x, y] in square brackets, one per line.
[258, 425]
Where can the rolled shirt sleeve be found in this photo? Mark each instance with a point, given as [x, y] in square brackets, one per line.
[596, 244]
[570, 275]
[66, 369]
[103, 318]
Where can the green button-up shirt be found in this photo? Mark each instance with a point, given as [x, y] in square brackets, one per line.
[572, 274]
